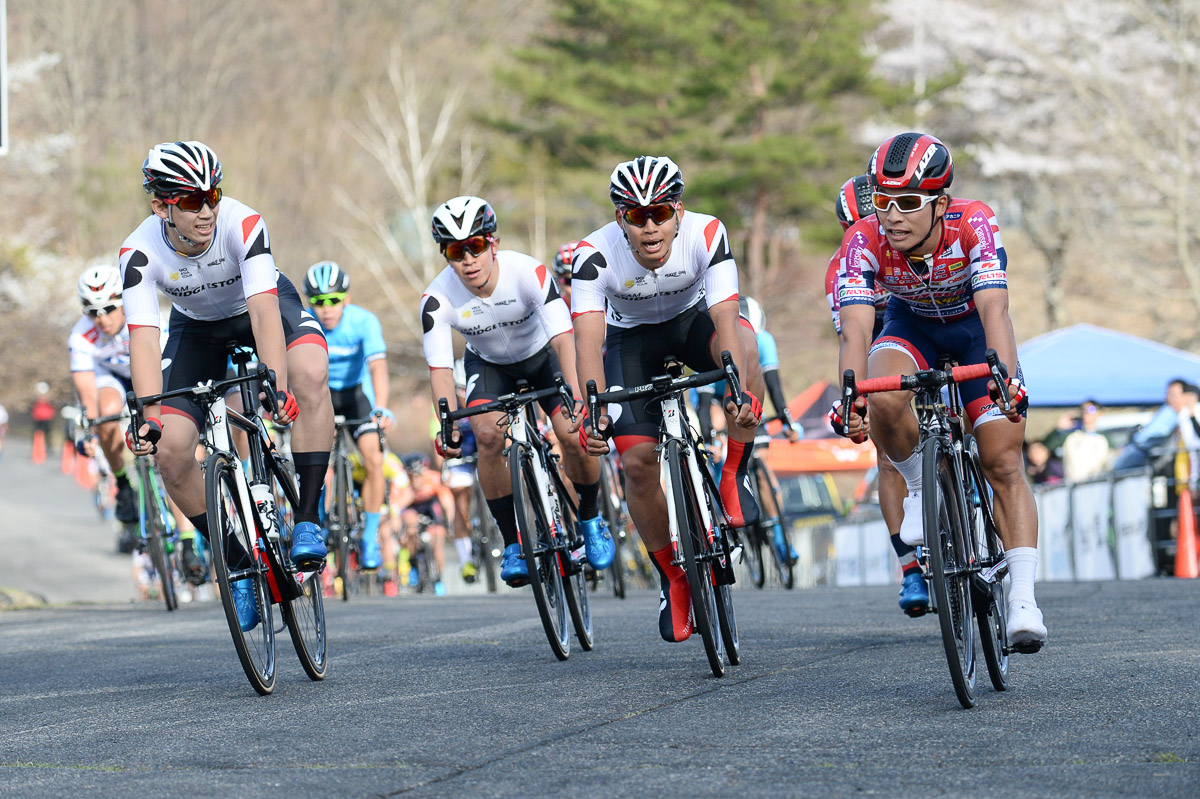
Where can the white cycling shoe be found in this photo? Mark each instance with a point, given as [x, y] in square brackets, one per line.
[1026, 629]
[912, 528]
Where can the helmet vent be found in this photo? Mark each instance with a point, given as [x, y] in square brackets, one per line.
[897, 157]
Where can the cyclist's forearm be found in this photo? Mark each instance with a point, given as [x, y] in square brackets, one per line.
[85, 388]
[858, 322]
[267, 326]
[379, 381]
[729, 337]
[564, 348]
[997, 326]
[589, 343]
[441, 386]
[145, 363]
[775, 389]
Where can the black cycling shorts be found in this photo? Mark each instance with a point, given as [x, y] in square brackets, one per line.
[353, 404]
[636, 354]
[487, 381]
[196, 350]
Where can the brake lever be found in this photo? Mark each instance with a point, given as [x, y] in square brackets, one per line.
[1000, 376]
[731, 378]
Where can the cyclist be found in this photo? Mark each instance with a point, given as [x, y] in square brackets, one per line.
[98, 347]
[458, 474]
[431, 499]
[213, 258]
[397, 495]
[944, 263]
[506, 306]
[562, 270]
[665, 282]
[852, 204]
[358, 383]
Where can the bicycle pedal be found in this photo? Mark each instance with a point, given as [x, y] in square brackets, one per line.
[1026, 647]
[918, 612]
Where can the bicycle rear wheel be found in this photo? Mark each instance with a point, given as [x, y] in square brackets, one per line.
[949, 560]
[341, 510]
[233, 539]
[162, 564]
[304, 614]
[686, 511]
[752, 547]
[534, 532]
[991, 612]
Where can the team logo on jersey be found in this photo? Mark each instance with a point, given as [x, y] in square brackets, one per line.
[956, 266]
[174, 275]
[629, 283]
[466, 314]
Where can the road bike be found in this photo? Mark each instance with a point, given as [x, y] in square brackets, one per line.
[247, 539]
[546, 514]
[486, 543]
[344, 520]
[703, 541]
[963, 555]
[761, 535]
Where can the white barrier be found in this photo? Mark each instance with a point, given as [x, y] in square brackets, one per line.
[1098, 530]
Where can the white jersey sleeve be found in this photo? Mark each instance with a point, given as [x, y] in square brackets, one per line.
[539, 292]
[81, 346]
[721, 275]
[437, 322]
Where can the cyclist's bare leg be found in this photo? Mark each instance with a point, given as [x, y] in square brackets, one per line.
[578, 467]
[437, 539]
[308, 380]
[892, 422]
[112, 437]
[177, 462]
[462, 510]
[644, 495]
[492, 466]
[1004, 469]
[372, 455]
[891, 494]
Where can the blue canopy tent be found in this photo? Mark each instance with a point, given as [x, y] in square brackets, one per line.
[1067, 366]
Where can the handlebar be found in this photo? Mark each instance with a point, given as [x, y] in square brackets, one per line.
[926, 378]
[201, 392]
[504, 404]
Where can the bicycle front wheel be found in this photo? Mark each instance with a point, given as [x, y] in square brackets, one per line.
[949, 562]
[767, 490]
[575, 584]
[341, 510]
[533, 529]
[304, 614]
[233, 554]
[610, 508]
[991, 612]
[692, 545]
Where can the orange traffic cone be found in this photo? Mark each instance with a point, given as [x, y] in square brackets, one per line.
[1186, 550]
[68, 458]
[83, 473]
[39, 446]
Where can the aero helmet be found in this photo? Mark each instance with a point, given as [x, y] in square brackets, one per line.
[462, 218]
[99, 287]
[911, 161]
[325, 277]
[749, 308]
[562, 261]
[180, 167]
[646, 180]
[854, 201]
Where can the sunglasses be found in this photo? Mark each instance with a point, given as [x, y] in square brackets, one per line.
[325, 300]
[105, 311]
[638, 214]
[195, 201]
[457, 250]
[907, 203]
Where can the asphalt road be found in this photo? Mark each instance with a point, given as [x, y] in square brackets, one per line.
[839, 694]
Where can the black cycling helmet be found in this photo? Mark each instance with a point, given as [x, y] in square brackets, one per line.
[854, 200]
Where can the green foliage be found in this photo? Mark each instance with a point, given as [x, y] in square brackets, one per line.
[748, 97]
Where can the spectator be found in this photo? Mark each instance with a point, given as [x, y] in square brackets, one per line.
[1086, 450]
[1067, 423]
[1158, 430]
[42, 412]
[1042, 466]
[3, 428]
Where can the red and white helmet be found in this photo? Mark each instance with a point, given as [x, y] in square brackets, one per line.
[562, 261]
[99, 287]
[854, 200]
[180, 167]
[461, 218]
[911, 161]
[646, 180]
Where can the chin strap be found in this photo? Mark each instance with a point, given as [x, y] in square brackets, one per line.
[171, 224]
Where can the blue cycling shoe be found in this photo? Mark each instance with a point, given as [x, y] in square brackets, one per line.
[512, 567]
[598, 542]
[914, 595]
[368, 549]
[246, 603]
[308, 546]
[783, 547]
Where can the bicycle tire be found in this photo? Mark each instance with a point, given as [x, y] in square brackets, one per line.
[610, 509]
[256, 648]
[699, 575]
[726, 619]
[534, 533]
[946, 545]
[784, 565]
[305, 614]
[991, 611]
[483, 536]
[752, 549]
[574, 581]
[341, 491]
[152, 519]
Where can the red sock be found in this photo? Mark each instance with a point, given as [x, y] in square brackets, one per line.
[675, 622]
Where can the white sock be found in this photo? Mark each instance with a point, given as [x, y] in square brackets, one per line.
[1022, 567]
[463, 545]
[910, 470]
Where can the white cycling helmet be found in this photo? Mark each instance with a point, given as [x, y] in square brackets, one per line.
[180, 167]
[461, 218]
[646, 180]
[753, 312]
[99, 287]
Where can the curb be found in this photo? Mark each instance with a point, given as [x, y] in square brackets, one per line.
[16, 599]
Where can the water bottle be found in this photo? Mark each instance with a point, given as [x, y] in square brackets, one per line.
[264, 500]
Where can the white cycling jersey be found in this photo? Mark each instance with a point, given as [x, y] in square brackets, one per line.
[516, 322]
[91, 350]
[210, 286]
[701, 265]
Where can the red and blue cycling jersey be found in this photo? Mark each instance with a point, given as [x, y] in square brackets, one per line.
[969, 258]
